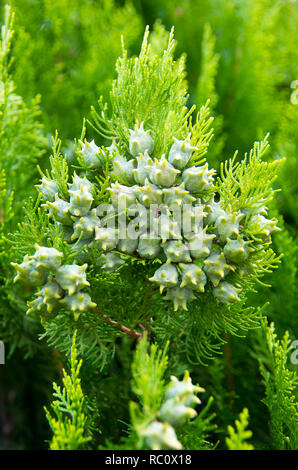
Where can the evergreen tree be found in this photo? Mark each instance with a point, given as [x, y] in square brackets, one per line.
[132, 272]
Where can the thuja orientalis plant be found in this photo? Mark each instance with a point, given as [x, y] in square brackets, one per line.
[140, 240]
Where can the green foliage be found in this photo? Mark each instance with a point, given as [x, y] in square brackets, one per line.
[237, 438]
[20, 131]
[69, 420]
[22, 145]
[209, 65]
[280, 382]
[156, 400]
[148, 371]
[243, 189]
[286, 144]
[238, 61]
[145, 90]
[256, 59]
[255, 70]
[206, 90]
[33, 229]
[248, 184]
[67, 50]
[256, 73]
[283, 296]
[6, 204]
[195, 435]
[59, 167]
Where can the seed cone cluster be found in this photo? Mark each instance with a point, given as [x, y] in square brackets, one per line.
[177, 408]
[204, 251]
[59, 285]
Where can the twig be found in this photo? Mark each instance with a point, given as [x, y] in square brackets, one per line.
[125, 329]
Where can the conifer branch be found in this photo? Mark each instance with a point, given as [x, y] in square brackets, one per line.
[129, 332]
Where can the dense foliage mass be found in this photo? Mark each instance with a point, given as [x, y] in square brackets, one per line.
[142, 266]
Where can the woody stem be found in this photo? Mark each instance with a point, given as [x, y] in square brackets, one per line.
[124, 329]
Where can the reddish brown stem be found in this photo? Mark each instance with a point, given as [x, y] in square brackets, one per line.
[128, 331]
